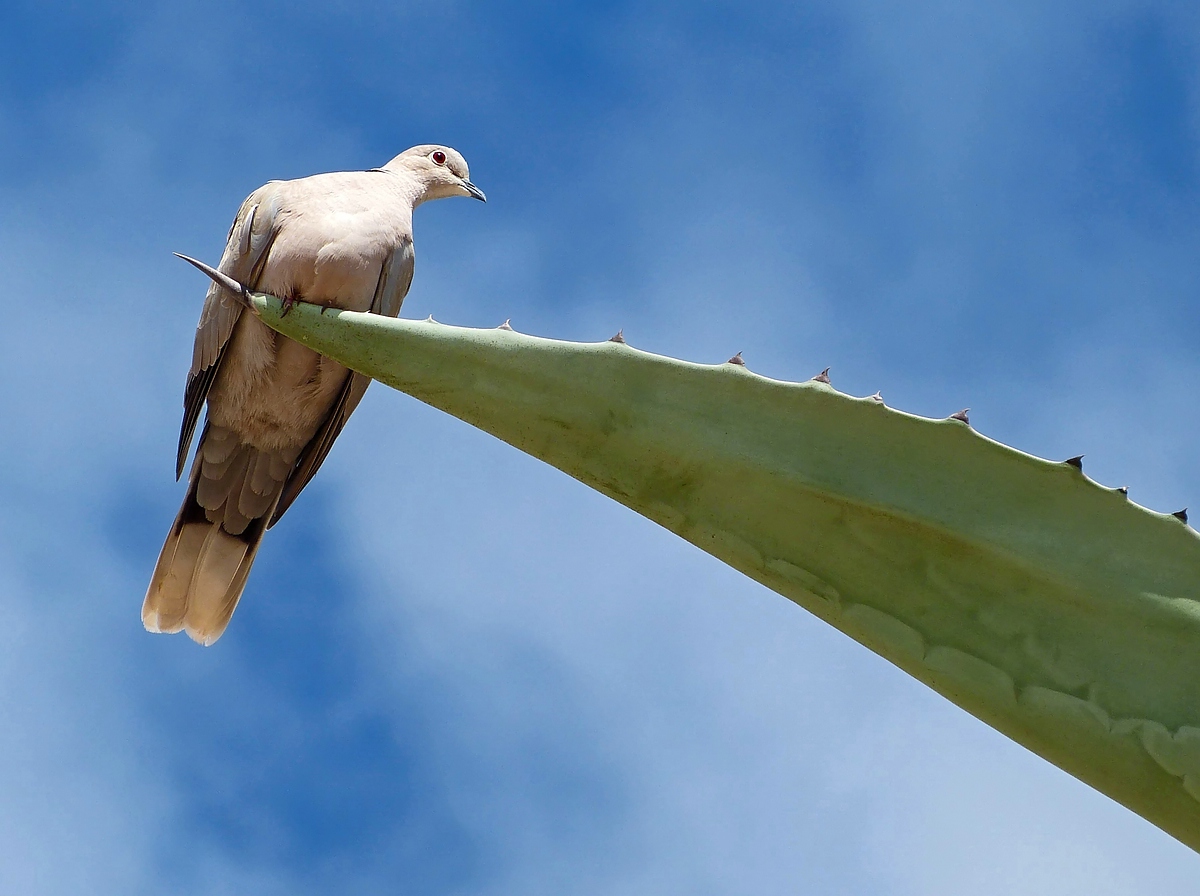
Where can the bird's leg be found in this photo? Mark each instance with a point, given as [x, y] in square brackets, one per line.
[289, 299]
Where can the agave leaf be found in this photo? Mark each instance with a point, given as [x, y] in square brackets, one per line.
[1048, 606]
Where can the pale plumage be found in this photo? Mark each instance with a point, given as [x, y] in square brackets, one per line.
[275, 407]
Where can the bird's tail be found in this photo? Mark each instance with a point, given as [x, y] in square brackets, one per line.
[232, 493]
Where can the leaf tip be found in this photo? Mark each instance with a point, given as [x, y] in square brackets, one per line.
[224, 280]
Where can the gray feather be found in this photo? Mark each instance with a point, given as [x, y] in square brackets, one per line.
[246, 250]
[217, 481]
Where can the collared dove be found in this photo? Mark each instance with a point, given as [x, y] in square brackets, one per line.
[274, 407]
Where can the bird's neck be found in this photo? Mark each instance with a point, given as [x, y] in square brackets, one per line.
[406, 183]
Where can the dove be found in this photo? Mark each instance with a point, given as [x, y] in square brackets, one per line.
[342, 240]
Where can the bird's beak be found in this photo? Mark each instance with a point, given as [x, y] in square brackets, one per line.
[473, 190]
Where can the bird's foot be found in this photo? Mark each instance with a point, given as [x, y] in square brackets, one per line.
[287, 302]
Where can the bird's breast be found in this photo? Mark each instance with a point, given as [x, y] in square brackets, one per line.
[333, 259]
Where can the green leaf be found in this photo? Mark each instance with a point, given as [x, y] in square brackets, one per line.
[1044, 604]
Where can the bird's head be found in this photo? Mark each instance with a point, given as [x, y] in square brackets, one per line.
[439, 170]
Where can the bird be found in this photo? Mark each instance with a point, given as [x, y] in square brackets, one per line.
[274, 407]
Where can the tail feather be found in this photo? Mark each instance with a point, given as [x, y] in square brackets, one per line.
[216, 617]
[218, 567]
[166, 601]
[202, 569]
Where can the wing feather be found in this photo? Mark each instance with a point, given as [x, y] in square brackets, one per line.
[395, 277]
[315, 451]
[246, 250]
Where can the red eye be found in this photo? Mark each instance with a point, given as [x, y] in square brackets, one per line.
[439, 157]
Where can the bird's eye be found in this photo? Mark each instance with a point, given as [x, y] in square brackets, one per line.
[439, 157]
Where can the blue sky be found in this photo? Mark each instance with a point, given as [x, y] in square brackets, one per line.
[455, 670]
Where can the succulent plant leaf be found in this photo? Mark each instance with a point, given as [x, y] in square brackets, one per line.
[1056, 610]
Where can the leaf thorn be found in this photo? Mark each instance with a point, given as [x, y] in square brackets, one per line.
[239, 290]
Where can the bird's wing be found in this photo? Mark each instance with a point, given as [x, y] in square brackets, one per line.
[395, 277]
[246, 251]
